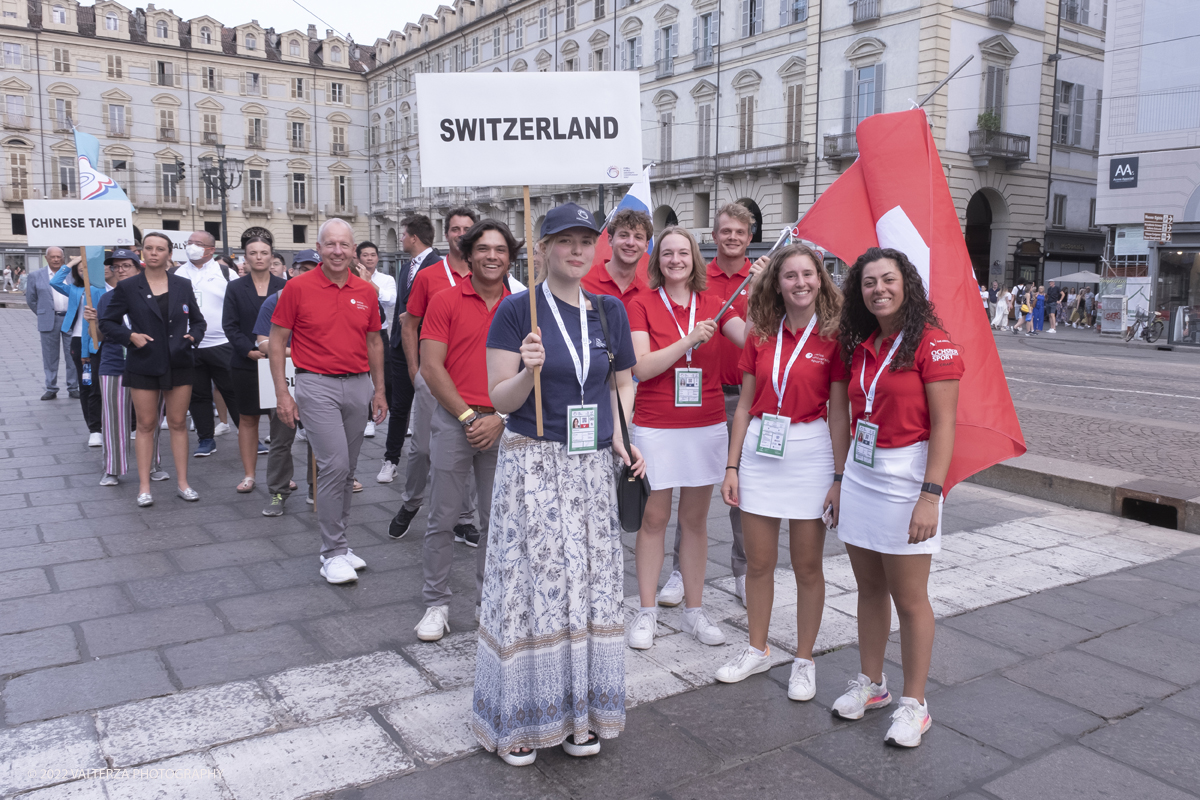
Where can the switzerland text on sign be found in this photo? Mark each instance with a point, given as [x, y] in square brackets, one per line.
[78, 223]
[514, 128]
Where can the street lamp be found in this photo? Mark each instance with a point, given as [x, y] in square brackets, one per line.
[221, 175]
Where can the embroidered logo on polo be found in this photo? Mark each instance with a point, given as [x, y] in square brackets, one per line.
[359, 304]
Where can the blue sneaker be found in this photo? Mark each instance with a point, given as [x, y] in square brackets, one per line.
[206, 447]
[263, 449]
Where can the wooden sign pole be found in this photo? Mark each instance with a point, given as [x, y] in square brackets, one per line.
[313, 461]
[87, 294]
[533, 323]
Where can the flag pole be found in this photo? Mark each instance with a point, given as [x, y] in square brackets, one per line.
[87, 294]
[533, 323]
[775, 247]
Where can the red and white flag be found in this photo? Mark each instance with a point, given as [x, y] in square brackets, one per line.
[895, 195]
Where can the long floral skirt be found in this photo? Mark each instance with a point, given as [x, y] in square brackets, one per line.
[551, 658]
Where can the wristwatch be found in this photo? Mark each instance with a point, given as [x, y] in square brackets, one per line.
[931, 488]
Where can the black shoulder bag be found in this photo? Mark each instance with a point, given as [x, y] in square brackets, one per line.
[632, 491]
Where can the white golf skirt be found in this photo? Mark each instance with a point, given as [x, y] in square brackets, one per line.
[877, 502]
[792, 487]
[678, 457]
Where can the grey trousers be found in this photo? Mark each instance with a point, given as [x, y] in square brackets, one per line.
[737, 550]
[334, 411]
[279, 460]
[53, 343]
[454, 460]
[416, 474]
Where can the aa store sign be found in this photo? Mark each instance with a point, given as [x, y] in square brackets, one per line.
[515, 128]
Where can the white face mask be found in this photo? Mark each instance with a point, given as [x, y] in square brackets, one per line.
[194, 252]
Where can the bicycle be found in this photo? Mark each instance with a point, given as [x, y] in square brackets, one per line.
[1145, 328]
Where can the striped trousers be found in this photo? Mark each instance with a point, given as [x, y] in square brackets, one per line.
[116, 405]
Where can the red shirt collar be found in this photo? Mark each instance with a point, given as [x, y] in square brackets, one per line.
[715, 271]
[604, 276]
[323, 280]
[469, 288]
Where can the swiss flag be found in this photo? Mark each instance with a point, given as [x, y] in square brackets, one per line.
[895, 195]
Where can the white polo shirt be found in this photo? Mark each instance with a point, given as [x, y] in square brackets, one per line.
[208, 284]
[386, 285]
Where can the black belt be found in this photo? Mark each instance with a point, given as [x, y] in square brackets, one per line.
[300, 371]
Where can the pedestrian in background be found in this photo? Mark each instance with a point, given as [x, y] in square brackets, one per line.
[50, 308]
[993, 299]
[385, 287]
[1054, 298]
[1038, 308]
[1000, 317]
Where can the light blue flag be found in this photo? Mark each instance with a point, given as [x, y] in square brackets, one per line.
[94, 185]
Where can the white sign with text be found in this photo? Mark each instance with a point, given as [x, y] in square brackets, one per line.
[179, 240]
[79, 223]
[266, 384]
[515, 128]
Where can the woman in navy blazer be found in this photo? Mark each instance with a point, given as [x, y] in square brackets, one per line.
[165, 327]
[243, 299]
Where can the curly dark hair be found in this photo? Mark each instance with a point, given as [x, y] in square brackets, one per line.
[858, 323]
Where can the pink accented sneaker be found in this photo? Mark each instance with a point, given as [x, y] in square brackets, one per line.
[861, 696]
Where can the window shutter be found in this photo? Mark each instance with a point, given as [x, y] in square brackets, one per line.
[1054, 125]
[591, 61]
[242, 83]
[266, 188]
[784, 19]
[758, 16]
[658, 44]
[158, 182]
[745, 18]
[55, 192]
[989, 90]
[674, 41]
[695, 34]
[107, 119]
[1083, 12]
[1099, 107]
[879, 85]
[848, 103]
[1077, 117]
[178, 77]
[637, 58]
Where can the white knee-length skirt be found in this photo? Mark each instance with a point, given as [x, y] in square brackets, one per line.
[678, 457]
[793, 487]
[877, 502]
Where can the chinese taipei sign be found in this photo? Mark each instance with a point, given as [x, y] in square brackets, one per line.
[516, 128]
[78, 223]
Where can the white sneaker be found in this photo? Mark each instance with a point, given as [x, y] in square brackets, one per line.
[96, 440]
[369, 433]
[338, 570]
[741, 589]
[803, 683]
[860, 697]
[672, 593]
[433, 625]
[641, 630]
[748, 663]
[909, 721]
[301, 435]
[387, 473]
[354, 560]
[220, 429]
[699, 625]
[109, 480]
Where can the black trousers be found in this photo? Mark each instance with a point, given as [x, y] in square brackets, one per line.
[400, 397]
[212, 367]
[89, 394]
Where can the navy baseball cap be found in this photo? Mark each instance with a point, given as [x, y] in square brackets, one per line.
[306, 255]
[121, 254]
[567, 216]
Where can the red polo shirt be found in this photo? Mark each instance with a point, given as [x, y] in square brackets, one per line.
[599, 281]
[722, 286]
[806, 396]
[901, 409]
[329, 325]
[655, 407]
[430, 281]
[460, 319]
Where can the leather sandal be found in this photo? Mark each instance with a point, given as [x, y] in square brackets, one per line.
[246, 486]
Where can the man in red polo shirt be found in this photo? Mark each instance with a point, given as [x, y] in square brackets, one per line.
[465, 430]
[332, 317]
[629, 233]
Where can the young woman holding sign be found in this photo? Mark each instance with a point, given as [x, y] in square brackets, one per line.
[904, 374]
[550, 667]
[679, 424]
[786, 452]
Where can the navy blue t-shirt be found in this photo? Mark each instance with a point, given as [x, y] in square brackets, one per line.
[262, 325]
[560, 387]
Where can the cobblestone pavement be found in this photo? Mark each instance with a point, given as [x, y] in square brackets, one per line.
[197, 646]
[1129, 407]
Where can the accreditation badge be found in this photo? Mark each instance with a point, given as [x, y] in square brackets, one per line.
[687, 386]
[772, 438]
[582, 425]
[865, 436]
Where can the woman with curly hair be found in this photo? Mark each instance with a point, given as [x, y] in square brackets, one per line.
[786, 451]
[904, 374]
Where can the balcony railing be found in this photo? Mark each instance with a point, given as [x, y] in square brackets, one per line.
[684, 168]
[776, 156]
[1001, 10]
[118, 131]
[166, 134]
[866, 10]
[302, 208]
[444, 198]
[206, 203]
[346, 212]
[18, 122]
[298, 145]
[986, 145]
[337, 149]
[254, 142]
[665, 67]
[704, 56]
[62, 125]
[210, 137]
[15, 194]
[177, 201]
[839, 146]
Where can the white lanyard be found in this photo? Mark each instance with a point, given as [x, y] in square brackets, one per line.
[449, 274]
[779, 390]
[691, 319]
[871, 392]
[581, 370]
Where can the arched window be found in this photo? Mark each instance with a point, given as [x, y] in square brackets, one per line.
[59, 15]
[335, 54]
[206, 35]
[160, 28]
[294, 47]
[251, 41]
[111, 23]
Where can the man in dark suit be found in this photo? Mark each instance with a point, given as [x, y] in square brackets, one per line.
[51, 308]
[417, 242]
